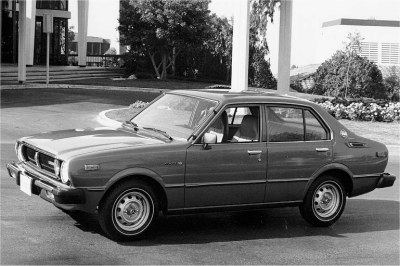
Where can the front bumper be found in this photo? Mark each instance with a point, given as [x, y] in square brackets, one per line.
[386, 180]
[48, 189]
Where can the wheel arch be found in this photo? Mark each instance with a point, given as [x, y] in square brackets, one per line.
[338, 170]
[144, 175]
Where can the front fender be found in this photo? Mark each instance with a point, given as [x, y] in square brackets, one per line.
[134, 171]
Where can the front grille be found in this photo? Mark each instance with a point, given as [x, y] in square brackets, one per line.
[46, 162]
[39, 159]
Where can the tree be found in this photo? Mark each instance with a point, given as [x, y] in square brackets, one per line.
[352, 48]
[364, 77]
[220, 41]
[261, 11]
[162, 28]
[260, 74]
[259, 68]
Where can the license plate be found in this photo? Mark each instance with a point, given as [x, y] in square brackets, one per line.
[25, 184]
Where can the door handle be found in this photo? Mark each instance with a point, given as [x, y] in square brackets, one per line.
[322, 149]
[254, 152]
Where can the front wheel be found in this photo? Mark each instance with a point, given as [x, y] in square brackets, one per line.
[324, 202]
[128, 211]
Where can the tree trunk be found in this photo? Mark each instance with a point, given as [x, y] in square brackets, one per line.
[164, 66]
[347, 78]
[154, 65]
[173, 61]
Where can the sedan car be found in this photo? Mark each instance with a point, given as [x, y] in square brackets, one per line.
[202, 151]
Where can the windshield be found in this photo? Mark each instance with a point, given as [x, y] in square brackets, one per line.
[176, 115]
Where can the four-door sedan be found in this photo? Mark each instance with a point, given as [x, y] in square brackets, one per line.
[205, 150]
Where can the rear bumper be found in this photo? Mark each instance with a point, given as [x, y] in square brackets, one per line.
[366, 183]
[386, 180]
[48, 190]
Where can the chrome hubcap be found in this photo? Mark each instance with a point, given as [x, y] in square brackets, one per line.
[131, 211]
[327, 200]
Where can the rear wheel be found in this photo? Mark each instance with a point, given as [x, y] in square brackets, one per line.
[128, 211]
[324, 202]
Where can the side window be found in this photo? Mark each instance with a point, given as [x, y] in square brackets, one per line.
[314, 129]
[285, 124]
[236, 114]
[237, 124]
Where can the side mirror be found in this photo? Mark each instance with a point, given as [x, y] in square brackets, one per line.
[209, 138]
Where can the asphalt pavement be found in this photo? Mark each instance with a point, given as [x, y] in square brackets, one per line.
[35, 232]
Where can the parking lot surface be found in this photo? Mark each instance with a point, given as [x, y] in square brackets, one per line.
[35, 232]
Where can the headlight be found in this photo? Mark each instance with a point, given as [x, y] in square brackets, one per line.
[18, 150]
[57, 167]
[64, 172]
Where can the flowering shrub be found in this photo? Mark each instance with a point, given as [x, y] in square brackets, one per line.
[366, 112]
[138, 104]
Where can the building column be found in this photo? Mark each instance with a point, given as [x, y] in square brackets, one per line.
[30, 31]
[240, 46]
[83, 16]
[22, 42]
[285, 43]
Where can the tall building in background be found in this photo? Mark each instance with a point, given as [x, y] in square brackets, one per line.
[36, 49]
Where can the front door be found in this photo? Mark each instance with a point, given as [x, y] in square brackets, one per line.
[233, 170]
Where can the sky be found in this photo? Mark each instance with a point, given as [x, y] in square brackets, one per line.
[308, 16]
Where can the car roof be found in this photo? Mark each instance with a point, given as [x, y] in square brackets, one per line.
[249, 96]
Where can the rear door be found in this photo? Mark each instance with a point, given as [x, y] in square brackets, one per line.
[299, 143]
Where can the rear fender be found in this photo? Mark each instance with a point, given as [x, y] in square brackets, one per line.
[332, 167]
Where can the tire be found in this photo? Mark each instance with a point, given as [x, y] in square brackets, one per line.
[324, 202]
[128, 211]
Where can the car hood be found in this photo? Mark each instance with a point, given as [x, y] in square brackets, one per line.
[67, 143]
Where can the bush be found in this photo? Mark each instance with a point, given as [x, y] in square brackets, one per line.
[372, 111]
[364, 77]
[392, 84]
[138, 104]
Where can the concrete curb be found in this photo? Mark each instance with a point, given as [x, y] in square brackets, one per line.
[87, 87]
[105, 121]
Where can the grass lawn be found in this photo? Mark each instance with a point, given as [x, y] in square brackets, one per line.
[140, 83]
[387, 133]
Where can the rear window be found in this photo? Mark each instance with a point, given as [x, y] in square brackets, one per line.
[285, 124]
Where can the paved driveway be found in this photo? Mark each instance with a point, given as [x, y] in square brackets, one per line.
[35, 232]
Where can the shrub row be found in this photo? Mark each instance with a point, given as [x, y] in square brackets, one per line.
[370, 111]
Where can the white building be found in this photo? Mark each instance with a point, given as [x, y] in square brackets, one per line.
[380, 44]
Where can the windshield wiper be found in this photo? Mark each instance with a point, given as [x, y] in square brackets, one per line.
[129, 122]
[165, 134]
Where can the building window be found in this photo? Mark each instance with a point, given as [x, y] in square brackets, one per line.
[369, 50]
[58, 55]
[54, 5]
[9, 31]
[390, 53]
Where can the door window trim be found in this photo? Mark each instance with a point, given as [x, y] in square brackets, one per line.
[262, 113]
